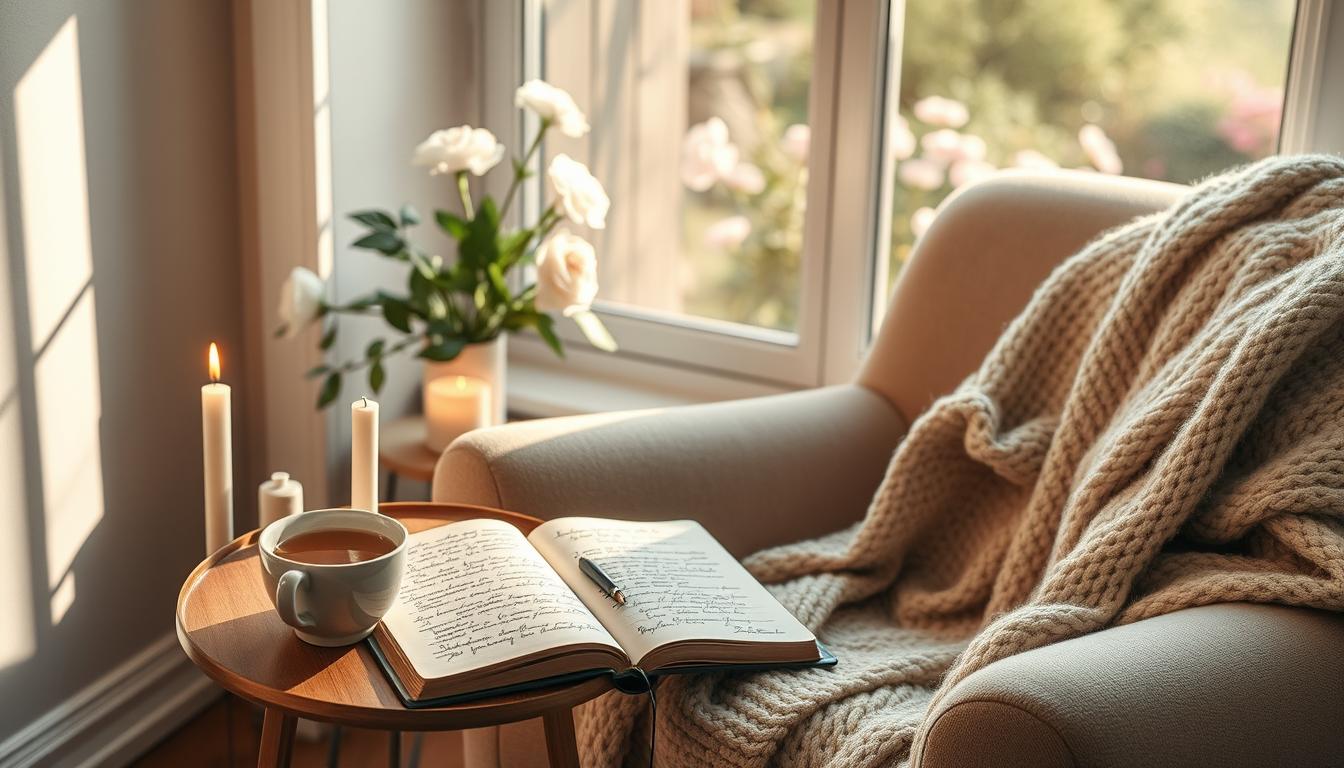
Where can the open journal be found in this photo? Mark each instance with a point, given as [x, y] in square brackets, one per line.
[484, 610]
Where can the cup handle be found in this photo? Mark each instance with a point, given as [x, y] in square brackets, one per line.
[287, 599]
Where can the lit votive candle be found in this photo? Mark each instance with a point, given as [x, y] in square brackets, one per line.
[454, 405]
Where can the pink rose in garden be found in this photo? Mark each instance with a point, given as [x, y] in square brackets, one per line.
[1030, 158]
[964, 172]
[920, 173]
[942, 111]
[943, 145]
[707, 155]
[920, 221]
[728, 233]
[745, 177]
[1099, 148]
[796, 142]
[1250, 124]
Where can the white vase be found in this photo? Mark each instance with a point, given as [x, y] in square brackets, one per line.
[487, 362]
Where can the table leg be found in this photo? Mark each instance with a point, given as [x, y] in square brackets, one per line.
[394, 749]
[277, 739]
[391, 486]
[561, 746]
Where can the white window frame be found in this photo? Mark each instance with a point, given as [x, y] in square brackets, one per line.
[666, 358]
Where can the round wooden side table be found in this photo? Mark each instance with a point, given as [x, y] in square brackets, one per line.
[402, 453]
[229, 628]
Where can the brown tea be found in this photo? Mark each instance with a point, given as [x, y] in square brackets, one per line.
[334, 546]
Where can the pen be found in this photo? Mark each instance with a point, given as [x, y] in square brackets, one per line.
[601, 579]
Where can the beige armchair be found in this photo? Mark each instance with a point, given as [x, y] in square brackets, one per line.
[1228, 684]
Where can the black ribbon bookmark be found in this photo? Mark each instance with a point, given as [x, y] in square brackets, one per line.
[635, 681]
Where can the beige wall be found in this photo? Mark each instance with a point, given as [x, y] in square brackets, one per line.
[118, 263]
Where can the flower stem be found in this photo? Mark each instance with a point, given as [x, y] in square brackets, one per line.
[467, 209]
[520, 171]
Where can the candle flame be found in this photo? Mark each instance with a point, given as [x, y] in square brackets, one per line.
[461, 382]
[214, 362]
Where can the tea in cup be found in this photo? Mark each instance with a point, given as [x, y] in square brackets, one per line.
[333, 573]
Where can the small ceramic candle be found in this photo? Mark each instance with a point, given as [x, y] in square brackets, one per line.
[217, 449]
[364, 454]
[278, 497]
[454, 405]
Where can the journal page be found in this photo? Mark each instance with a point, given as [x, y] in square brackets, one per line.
[476, 593]
[679, 583]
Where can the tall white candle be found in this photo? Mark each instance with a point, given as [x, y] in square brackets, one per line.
[364, 454]
[281, 496]
[217, 448]
[455, 405]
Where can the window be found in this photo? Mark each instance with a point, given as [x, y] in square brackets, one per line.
[756, 261]
[1170, 90]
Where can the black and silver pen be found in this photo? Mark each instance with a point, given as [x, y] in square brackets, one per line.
[600, 578]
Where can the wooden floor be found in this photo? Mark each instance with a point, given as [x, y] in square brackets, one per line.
[205, 742]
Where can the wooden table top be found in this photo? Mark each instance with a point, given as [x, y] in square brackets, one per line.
[229, 628]
[401, 449]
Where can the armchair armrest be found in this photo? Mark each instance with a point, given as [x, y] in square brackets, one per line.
[1232, 684]
[754, 472]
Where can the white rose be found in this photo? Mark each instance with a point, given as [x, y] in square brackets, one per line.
[582, 197]
[566, 274]
[706, 154]
[459, 149]
[796, 142]
[552, 104]
[300, 301]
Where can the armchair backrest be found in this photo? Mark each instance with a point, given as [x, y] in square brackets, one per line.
[975, 268]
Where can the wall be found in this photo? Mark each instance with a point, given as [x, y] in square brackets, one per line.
[396, 76]
[118, 263]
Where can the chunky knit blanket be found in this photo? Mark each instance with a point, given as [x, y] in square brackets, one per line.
[1162, 427]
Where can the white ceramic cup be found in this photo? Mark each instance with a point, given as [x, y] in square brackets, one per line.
[336, 604]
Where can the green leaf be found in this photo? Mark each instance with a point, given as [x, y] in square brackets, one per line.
[385, 242]
[313, 373]
[375, 349]
[409, 216]
[376, 376]
[378, 220]
[512, 247]
[481, 296]
[497, 281]
[330, 389]
[397, 313]
[481, 245]
[328, 338]
[546, 329]
[454, 225]
[445, 350]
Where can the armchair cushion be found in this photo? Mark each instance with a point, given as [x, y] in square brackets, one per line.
[754, 472]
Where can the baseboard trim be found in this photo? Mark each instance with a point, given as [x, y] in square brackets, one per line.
[117, 717]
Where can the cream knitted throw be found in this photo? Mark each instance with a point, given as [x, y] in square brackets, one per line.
[1161, 428]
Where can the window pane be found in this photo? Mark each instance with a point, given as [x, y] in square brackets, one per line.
[699, 112]
[1162, 89]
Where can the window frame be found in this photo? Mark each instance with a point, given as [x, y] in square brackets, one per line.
[701, 358]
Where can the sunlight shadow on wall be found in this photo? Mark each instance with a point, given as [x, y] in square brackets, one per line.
[49, 118]
[17, 639]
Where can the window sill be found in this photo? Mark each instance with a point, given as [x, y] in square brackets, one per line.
[587, 381]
